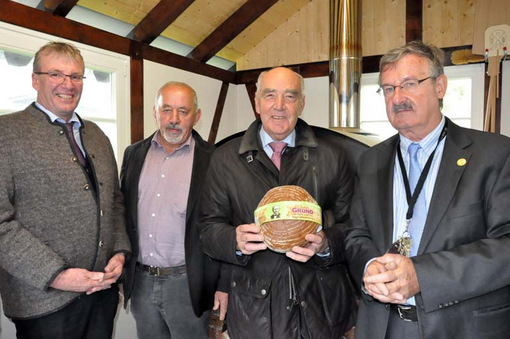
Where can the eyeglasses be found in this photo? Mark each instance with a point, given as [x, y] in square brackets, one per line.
[59, 78]
[408, 86]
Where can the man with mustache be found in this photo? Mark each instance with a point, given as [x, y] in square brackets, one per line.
[429, 240]
[63, 240]
[171, 282]
[305, 292]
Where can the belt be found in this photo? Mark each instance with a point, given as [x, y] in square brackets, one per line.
[160, 271]
[405, 312]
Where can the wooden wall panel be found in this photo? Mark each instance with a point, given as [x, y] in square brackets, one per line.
[448, 23]
[383, 25]
[303, 38]
[488, 13]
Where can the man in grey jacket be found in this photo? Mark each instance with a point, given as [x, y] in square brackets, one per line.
[62, 232]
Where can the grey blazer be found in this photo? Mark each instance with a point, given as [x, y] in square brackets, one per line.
[464, 255]
[50, 217]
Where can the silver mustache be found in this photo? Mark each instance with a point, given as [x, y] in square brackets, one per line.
[404, 106]
[174, 126]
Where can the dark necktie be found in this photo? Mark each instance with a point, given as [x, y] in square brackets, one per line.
[417, 222]
[77, 150]
[277, 147]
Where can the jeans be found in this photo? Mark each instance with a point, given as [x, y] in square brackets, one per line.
[161, 306]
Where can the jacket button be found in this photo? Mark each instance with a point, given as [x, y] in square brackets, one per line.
[86, 187]
[61, 132]
[75, 159]
[233, 284]
[101, 243]
[440, 305]
[263, 292]
[303, 303]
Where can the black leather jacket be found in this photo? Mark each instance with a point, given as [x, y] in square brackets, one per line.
[271, 295]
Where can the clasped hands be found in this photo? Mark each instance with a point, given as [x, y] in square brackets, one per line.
[82, 280]
[249, 240]
[391, 279]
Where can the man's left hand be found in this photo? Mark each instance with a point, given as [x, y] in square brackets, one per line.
[221, 303]
[113, 270]
[400, 278]
[317, 242]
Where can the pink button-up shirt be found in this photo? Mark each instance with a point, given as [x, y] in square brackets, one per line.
[162, 200]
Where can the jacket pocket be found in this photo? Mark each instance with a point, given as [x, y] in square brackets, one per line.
[249, 304]
[468, 210]
[492, 321]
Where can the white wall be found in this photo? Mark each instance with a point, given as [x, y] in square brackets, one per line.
[208, 90]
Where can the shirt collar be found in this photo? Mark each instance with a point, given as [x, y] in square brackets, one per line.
[53, 117]
[428, 144]
[266, 139]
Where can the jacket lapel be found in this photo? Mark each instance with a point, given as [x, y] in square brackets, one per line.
[386, 164]
[136, 169]
[447, 180]
[197, 173]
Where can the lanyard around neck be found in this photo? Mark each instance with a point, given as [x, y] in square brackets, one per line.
[411, 199]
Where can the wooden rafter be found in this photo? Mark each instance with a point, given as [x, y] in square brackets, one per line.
[414, 20]
[31, 18]
[230, 28]
[158, 19]
[217, 114]
[59, 7]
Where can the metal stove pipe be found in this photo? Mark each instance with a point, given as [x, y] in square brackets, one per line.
[345, 63]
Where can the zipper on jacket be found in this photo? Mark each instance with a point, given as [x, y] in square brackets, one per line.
[315, 180]
[292, 291]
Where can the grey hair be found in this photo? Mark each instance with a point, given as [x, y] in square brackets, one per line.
[433, 54]
[177, 84]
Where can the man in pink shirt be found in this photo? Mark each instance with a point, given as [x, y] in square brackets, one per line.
[171, 283]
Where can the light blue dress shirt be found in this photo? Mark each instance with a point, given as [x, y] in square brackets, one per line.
[428, 144]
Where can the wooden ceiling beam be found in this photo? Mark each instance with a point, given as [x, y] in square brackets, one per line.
[31, 18]
[158, 19]
[414, 20]
[59, 7]
[230, 28]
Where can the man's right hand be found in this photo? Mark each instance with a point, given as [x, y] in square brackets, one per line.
[249, 239]
[80, 280]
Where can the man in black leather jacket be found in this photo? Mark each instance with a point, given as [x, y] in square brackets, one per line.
[304, 293]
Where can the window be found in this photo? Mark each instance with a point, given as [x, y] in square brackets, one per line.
[463, 102]
[105, 98]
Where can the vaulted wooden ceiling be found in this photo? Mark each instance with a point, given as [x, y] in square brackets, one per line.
[225, 28]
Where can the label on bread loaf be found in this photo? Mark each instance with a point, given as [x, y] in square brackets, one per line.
[288, 210]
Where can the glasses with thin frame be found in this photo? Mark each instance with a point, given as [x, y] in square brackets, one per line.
[408, 86]
[58, 78]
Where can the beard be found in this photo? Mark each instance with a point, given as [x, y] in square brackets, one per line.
[173, 137]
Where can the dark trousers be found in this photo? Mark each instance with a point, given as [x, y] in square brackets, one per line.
[88, 317]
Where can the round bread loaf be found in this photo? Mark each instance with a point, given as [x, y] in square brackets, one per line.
[281, 234]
